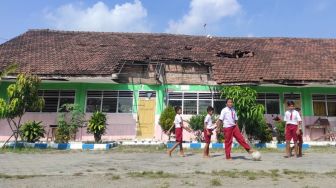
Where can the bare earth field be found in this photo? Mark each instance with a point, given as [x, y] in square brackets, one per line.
[151, 167]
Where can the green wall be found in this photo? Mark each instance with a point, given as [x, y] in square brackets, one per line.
[161, 90]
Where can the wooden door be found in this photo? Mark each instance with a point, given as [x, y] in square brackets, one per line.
[146, 118]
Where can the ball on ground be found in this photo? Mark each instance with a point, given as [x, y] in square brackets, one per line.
[256, 156]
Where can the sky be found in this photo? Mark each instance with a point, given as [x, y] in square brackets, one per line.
[227, 18]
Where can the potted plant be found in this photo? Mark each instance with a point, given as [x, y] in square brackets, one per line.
[97, 125]
[32, 131]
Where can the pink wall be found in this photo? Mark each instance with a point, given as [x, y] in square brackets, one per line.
[123, 127]
[308, 120]
[120, 126]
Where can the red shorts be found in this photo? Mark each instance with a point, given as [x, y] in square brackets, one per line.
[178, 134]
[291, 132]
[207, 137]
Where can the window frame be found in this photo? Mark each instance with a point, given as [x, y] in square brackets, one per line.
[59, 97]
[102, 100]
[198, 99]
[325, 101]
[265, 101]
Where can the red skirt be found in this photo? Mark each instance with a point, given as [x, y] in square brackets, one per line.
[207, 137]
[178, 134]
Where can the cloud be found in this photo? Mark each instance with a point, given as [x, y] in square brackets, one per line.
[201, 12]
[250, 35]
[127, 17]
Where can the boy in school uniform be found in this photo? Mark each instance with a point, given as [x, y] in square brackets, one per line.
[208, 128]
[229, 119]
[178, 123]
[293, 126]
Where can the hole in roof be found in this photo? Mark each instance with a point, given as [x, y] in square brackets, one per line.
[188, 47]
[235, 54]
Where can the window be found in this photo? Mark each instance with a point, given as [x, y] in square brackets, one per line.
[147, 94]
[324, 105]
[218, 103]
[271, 102]
[196, 103]
[295, 97]
[55, 99]
[109, 101]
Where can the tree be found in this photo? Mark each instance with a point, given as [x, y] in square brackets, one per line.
[22, 95]
[251, 115]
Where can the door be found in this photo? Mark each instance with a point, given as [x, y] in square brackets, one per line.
[146, 118]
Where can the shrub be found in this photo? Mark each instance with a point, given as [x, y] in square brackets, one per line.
[196, 122]
[32, 131]
[69, 119]
[280, 127]
[97, 125]
[167, 120]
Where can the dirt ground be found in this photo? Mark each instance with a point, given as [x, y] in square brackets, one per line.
[151, 167]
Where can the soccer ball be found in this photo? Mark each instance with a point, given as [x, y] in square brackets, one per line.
[256, 156]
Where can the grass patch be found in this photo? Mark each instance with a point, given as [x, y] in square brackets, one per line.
[321, 149]
[115, 177]
[297, 172]
[165, 185]
[89, 170]
[331, 174]
[232, 174]
[139, 149]
[151, 174]
[189, 183]
[250, 175]
[78, 174]
[23, 150]
[7, 176]
[111, 169]
[275, 174]
[215, 182]
[199, 172]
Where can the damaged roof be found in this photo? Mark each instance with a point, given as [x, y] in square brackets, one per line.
[234, 60]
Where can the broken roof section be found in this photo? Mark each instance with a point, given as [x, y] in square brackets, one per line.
[234, 60]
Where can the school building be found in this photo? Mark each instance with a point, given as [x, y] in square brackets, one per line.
[133, 76]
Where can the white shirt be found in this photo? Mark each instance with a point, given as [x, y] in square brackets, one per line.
[229, 117]
[208, 122]
[178, 121]
[295, 117]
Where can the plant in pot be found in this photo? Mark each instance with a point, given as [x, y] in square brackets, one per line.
[32, 131]
[97, 125]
